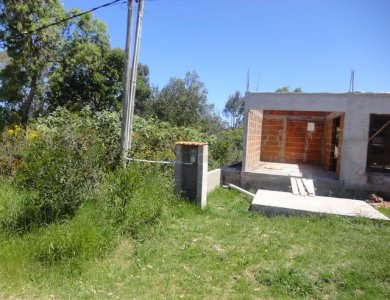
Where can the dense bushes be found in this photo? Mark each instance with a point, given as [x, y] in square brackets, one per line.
[226, 147]
[63, 159]
[156, 140]
[58, 162]
[126, 202]
[153, 139]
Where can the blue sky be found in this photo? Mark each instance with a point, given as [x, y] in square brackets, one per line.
[312, 44]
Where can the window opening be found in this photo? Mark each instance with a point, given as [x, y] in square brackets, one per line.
[378, 154]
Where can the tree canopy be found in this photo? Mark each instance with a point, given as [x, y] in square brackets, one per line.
[31, 53]
[70, 64]
[286, 89]
[183, 102]
[234, 109]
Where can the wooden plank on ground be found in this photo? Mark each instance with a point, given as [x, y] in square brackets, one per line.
[301, 188]
[309, 185]
[294, 186]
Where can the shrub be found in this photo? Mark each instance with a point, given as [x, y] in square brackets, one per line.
[61, 165]
[13, 143]
[135, 196]
[153, 139]
[226, 147]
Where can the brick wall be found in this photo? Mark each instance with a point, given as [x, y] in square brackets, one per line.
[303, 146]
[253, 139]
[273, 139]
[286, 138]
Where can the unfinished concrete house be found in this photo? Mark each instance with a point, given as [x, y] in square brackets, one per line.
[339, 140]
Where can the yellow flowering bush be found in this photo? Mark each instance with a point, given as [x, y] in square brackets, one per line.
[32, 134]
[13, 144]
[14, 131]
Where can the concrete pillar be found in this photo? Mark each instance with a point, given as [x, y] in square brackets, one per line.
[201, 190]
[191, 171]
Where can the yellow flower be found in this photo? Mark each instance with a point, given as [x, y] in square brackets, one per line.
[32, 135]
[14, 131]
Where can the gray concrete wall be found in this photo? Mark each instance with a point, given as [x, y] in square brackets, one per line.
[213, 179]
[357, 108]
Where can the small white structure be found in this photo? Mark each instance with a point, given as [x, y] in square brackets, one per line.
[191, 171]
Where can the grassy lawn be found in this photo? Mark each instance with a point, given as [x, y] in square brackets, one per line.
[223, 252]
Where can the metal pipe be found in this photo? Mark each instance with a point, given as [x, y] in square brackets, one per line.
[240, 190]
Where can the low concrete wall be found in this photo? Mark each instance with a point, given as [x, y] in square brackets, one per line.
[213, 179]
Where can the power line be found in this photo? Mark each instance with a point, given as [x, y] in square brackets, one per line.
[72, 17]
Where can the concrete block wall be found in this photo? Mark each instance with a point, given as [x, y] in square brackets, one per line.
[252, 139]
[213, 179]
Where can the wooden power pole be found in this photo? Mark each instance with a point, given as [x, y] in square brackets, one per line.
[130, 78]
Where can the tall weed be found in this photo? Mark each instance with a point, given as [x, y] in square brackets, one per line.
[135, 196]
[87, 235]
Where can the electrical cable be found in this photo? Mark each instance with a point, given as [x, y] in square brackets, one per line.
[70, 18]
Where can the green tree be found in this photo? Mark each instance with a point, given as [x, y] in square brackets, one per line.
[286, 89]
[234, 109]
[88, 73]
[31, 53]
[143, 92]
[183, 102]
[70, 64]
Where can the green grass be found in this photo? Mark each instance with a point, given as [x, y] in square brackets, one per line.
[223, 252]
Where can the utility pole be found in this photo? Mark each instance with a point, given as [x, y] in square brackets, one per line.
[352, 81]
[129, 83]
[126, 85]
[247, 81]
[134, 69]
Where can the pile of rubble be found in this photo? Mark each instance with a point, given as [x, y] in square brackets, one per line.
[377, 201]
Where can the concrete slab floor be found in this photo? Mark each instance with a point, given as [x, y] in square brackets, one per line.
[282, 203]
[296, 170]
